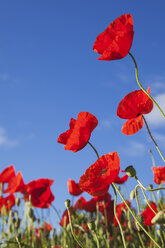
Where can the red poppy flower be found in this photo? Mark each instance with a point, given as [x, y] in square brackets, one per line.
[98, 177]
[121, 180]
[39, 192]
[16, 184]
[159, 174]
[132, 107]
[115, 42]
[73, 188]
[79, 133]
[7, 174]
[148, 214]
[8, 202]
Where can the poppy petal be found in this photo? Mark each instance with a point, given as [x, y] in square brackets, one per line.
[134, 104]
[133, 125]
[115, 42]
[98, 177]
[120, 180]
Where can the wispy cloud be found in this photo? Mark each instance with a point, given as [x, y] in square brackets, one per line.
[5, 141]
[155, 117]
[134, 149]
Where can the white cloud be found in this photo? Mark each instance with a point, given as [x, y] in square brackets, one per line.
[134, 149]
[5, 141]
[155, 117]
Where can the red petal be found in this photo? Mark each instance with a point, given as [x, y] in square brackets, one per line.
[115, 42]
[120, 180]
[16, 184]
[133, 125]
[63, 138]
[134, 104]
[73, 188]
[7, 174]
[100, 175]
[81, 133]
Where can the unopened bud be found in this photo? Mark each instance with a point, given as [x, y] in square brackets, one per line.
[130, 171]
[67, 203]
[132, 194]
[159, 218]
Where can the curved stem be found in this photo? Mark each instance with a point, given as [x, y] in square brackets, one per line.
[137, 79]
[129, 209]
[54, 208]
[146, 199]
[157, 147]
[145, 187]
[141, 241]
[94, 149]
[121, 230]
[152, 157]
[74, 236]
[136, 197]
[97, 241]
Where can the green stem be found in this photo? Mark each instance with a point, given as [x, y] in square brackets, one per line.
[74, 236]
[136, 197]
[19, 245]
[94, 149]
[137, 79]
[129, 209]
[145, 187]
[157, 147]
[147, 200]
[54, 208]
[141, 241]
[97, 241]
[121, 230]
[152, 157]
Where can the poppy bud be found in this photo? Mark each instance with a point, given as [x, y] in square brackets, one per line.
[67, 203]
[159, 218]
[130, 171]
[92, 226]
[132, 195]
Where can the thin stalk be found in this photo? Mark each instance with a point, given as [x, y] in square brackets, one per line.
[54, 208]
[136, 197]
[137, 79]
[157, 147]
[97, 241]
[71, 226]
[146, 188]
[94, 149]
[121, 230]
[19, 245]
[152, 157]
[129, 209]
[147, 201]
[141, 241]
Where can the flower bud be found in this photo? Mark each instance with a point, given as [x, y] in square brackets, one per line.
[67, 203]
[159, 218]
[130, 171]
[141, 220]
[132, 195]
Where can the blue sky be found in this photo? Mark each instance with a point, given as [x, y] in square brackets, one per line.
[49, 73]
